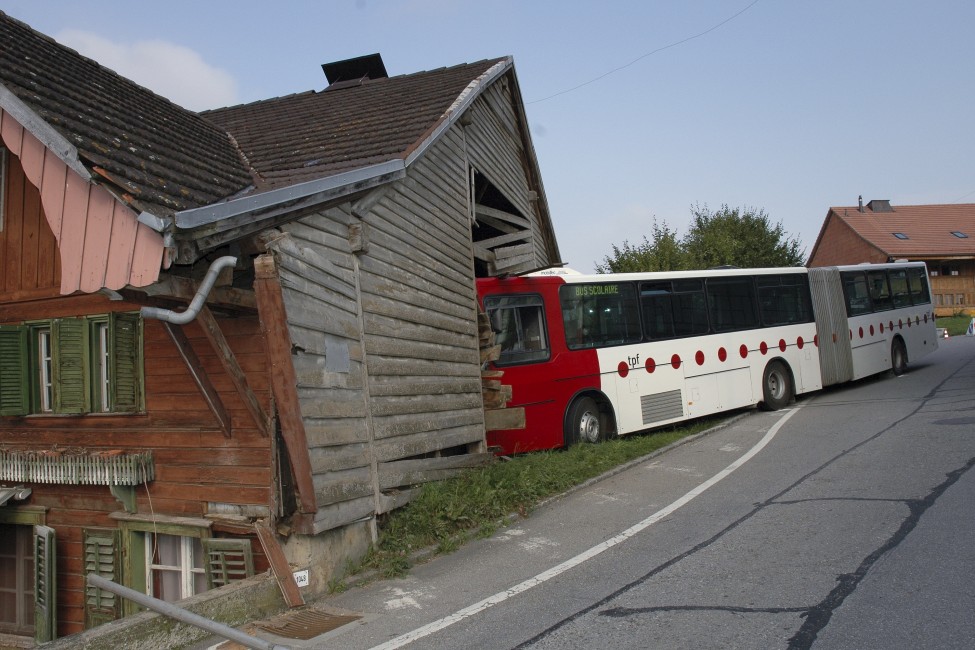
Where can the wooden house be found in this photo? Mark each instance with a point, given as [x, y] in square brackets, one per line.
[942, 236]
[235, 338]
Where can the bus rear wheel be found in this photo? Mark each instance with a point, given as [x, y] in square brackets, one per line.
[583, 423]
[776, 386]
[898, 357]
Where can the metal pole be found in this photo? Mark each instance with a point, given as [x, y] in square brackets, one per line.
[172, 611]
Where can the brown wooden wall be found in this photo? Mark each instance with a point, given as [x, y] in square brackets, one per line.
[29, 263]
[194, 462]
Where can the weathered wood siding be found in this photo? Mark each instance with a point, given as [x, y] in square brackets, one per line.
[385, 338]
[318, 283]
[495, 148]
[420, 314]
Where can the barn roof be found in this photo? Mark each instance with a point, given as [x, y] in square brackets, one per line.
[311, 135]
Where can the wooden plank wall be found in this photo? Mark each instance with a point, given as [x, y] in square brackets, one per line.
[420, 315]
[318, 282]
[30, 266]
[385, 341]
[495, 149]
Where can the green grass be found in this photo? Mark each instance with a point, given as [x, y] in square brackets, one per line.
[956, 325]
[446, 514]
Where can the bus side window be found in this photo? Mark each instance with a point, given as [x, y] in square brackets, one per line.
[783, 299]
[608, 313]
[656, 303]
[731, 304]
[898, 287]
[856, 294]
[690, 308]
[879, 290]
[919, 286]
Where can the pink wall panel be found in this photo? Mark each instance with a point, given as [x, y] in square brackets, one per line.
[100, 240]
[52, 191]
[98, 235]
[121, 248]
[11, 132]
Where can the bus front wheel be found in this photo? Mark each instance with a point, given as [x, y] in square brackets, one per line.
[776, 386]
[583, 423]
[898, 357]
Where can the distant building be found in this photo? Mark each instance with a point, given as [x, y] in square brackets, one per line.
[943, 236]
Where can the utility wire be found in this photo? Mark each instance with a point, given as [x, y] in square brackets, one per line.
[640, 58]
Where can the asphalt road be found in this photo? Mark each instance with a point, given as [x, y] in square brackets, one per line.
[845, 522]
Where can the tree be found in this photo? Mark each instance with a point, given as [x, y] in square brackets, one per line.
[744, 238]
[664, 253]
[727, 237]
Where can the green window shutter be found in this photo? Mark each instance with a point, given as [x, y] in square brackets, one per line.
[14, 376]
[70, 360]
[45, 589]
[227, 560]
[125, 356]
[101, 558]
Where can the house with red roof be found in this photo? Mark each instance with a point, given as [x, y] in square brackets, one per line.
[230, 341]
[943, 236]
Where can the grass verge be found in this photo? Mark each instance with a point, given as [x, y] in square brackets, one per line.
[956, 325]
[446, 514]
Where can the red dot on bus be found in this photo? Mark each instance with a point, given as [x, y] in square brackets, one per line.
[763, 347]
[675, 361]
[871, 330]
[782, 345]
[861, 332]
[800, 343]
[623, 369]
[699, 358]
[651, 365]
[917, 320]
[743, 350]
[925, 318]
[908, 322]
[816, 339]
[900, 324]
[722, 354]
[881, 328]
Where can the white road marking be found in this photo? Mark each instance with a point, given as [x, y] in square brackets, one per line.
[522, 587]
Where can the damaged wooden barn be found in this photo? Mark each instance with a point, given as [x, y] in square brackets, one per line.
[235, 338]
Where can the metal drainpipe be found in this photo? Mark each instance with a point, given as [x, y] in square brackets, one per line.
[182, 318]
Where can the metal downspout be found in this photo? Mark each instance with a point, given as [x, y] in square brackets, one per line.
[182, 318]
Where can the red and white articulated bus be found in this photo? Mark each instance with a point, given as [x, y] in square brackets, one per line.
[595, 356]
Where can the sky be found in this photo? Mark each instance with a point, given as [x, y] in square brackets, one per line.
[638, 110]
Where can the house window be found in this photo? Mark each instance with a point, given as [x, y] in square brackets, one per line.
[900, 235]
[174, 566]
[44, 374]
[959, 234]
[72, 365]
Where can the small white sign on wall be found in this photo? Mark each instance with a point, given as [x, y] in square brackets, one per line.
[301, 578]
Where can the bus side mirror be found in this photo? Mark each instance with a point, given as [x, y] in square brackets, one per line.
[495, 317]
